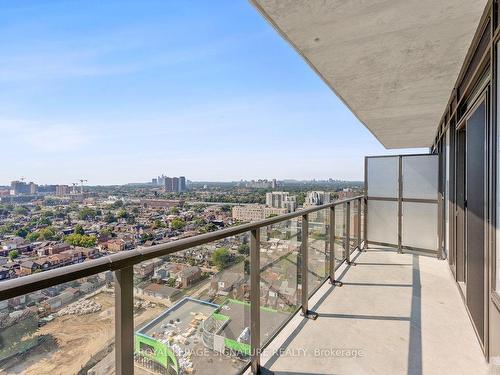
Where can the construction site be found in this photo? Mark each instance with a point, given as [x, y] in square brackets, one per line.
[195, 336]
[77, 339]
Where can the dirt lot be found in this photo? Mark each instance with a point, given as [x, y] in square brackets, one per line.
[78, 338]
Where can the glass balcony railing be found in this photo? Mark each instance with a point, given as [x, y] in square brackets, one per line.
[279, 290]
[205, 304]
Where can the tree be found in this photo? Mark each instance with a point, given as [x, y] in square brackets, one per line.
[3, 210]
[109, 217]
[210, 227]
[7, 228]
[117, 204]
[76, 239]
[106, 232]
[13, 254]
[199, 222]
[147, 237]
[21, 210]
[122, 214]
[177, 223]
[86, 213]
[47, 213]
[244, 249]
[220, 258]
[79, 230]
[22, 232]
[44, 222]
[246, 267]
[33, 236]
[158, 224]
[301, 198]
[47, 234]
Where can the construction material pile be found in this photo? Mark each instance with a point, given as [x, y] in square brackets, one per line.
[81, 307]
[142, 304]
[184, 358]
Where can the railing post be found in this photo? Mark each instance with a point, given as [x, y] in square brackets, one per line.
[400, 205]
[124, 321]
[255, 300]
[304, 269]
[332, 248]
[347, 247]
[358, 223]
[365, 226]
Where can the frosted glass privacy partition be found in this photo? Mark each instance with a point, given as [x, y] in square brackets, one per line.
[382, 176]
[402, 194]
[420, 176]
[383, 221]
[419, 226]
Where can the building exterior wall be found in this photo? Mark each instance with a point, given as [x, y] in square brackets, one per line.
[477, 81]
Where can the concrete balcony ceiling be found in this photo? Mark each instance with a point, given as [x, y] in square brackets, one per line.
[393, 63]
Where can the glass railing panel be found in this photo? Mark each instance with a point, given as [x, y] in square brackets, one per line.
[318, 241]
[65, 329]
[193, 310]
[339, 233]
[280, 275]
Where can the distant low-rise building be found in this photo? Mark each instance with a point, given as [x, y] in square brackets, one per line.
[116, 245]
[256, 212]
[12, 243]
[189, 276]
[159, 203]
[29, 267]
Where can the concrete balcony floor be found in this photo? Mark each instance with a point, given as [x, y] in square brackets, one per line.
[395, 314]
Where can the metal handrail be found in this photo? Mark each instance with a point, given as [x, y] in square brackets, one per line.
[31, 283]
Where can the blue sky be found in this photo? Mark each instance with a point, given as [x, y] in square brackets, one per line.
[121, 91]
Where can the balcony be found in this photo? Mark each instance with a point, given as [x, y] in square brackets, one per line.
[322, 296]
[394, 314]
[358, 286]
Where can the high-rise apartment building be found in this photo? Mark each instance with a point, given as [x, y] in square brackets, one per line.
[32, 188]
[19, 187]
[168, 184]
[62, 190]
[182, 184]
[175, 184]
[281, 199]
[317, 198]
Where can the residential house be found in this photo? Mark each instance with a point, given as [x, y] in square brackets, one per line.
[189, 276]
[4, 273]
[29, 267]
[115, 245]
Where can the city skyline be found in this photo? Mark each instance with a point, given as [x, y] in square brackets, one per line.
[115, 95]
